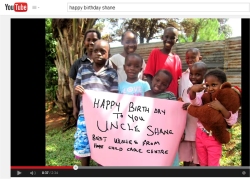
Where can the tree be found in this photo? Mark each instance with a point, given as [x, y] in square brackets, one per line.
[100, 25]
[69, 35]
[146, 28]
[191, 29]
[211, 31]
[225, 28]
[203, 29]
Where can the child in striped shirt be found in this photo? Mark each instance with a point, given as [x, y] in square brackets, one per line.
[97, 76]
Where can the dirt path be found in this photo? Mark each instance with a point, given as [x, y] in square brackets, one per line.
[53, 118]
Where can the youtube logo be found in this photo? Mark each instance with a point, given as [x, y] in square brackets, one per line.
[20, 7]
[17, 7]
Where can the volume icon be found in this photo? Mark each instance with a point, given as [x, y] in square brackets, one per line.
[33, 173]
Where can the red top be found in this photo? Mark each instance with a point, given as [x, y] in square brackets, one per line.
[158, 60]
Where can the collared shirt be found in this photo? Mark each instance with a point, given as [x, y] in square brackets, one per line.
[77, 64]
[105, 79]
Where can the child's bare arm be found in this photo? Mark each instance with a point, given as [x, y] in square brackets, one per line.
[74, 98]
[231, 118]
[194, 89]
[218, 106]
[78, 89]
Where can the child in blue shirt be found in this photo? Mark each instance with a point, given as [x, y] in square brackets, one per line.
[133, 85]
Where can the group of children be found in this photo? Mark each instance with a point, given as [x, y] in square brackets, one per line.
[123, 72]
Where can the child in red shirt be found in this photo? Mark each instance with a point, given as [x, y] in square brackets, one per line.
[165, 59]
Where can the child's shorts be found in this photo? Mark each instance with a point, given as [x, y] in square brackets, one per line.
[81, 145]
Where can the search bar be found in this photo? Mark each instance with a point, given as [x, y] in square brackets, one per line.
[158, 7]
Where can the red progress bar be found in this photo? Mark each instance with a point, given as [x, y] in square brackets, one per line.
[43, 167]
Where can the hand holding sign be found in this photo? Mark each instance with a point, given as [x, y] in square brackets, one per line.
[79, 89]
[125, 130]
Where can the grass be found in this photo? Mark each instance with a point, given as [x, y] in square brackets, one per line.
[231, 155]
[59, 148]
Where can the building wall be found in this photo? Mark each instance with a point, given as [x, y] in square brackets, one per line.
[224, 54]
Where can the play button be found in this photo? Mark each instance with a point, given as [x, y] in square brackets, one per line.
[19, 173]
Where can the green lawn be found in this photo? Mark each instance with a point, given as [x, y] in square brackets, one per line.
[59, 148]
[231, 155]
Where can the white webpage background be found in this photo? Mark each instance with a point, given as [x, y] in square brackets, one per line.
[59, 9]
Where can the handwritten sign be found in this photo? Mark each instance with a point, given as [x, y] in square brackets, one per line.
[125, 130]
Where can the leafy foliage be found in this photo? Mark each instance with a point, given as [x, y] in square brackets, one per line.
[225, 28]
[99, 25]
[231, 155]
[146, 28]
[50, 42]
[71, 28]
[191, 29]
[51, 77]
[202, 29]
